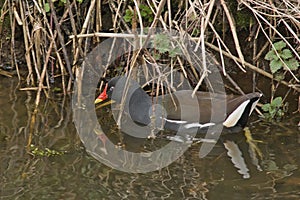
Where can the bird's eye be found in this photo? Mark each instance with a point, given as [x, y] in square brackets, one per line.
[111, 88]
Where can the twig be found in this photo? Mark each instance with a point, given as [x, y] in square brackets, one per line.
[17, 17]
[5, 73]
[32, 88]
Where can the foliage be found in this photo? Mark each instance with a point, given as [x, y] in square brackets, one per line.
[274, 110]
[285, 55]
[44, 152]
[163, 44]
[145, 11]
[61, 3]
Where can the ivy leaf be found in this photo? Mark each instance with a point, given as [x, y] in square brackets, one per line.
[266, 107]
[128, 15]
[279, 45]
[277, 102]
[145, 8]
[292, 63]
[271, 55]
[143, 13]
[127, 18]
[275, 65]
[142, 7]
[286, 54]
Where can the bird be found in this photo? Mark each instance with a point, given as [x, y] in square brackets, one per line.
[180, 109]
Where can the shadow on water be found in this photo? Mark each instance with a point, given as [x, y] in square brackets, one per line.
[77, 175]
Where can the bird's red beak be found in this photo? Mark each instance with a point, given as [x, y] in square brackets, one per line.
[103, 96]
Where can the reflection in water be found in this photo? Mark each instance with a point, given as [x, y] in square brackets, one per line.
[77, 175]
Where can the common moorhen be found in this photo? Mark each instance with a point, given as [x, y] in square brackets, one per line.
[180, 109]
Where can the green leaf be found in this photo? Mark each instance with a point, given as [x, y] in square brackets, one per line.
[272, 113]
[145, 8]
[279, 45]
[267, 116]
[277, 102]
[143, 13]
[127, 18]
[128, 12]
[46, 7]
[286, 54]
[151, 19]
[142, 6]
[64, 1]
[271, 55]
[292, 63]
[266, 107]
[128, 15]
[275, 65]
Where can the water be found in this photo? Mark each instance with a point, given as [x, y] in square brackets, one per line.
[77, 175]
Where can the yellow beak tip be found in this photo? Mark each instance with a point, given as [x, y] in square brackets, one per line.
[98, 101]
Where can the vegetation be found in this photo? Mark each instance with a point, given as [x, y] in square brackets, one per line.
[279, 57]
[44, 152]
[145, 11]
[57, 35]
[274, 110]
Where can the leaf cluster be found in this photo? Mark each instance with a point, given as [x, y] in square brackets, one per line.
[274, 110]
[164, 45]
[145, 11]
[283, 55]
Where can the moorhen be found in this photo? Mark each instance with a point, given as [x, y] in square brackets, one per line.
[179, 109]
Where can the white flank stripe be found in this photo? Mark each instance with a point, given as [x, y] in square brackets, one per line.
[175, 121]
[196, 125]
[234, 117]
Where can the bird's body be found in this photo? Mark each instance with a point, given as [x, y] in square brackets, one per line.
[180, 109]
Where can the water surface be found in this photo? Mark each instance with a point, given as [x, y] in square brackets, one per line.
[77, 175]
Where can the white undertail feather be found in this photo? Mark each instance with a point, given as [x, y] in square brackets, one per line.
[234, 117]
[253, 106]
